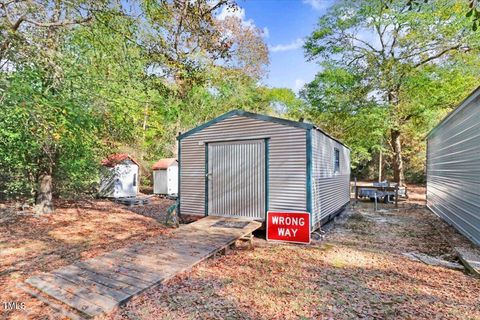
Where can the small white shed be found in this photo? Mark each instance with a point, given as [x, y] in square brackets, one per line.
[165, 177]
[119, 176]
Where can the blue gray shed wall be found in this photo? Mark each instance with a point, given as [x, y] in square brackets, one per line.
[330, 189]
[286, 158]
[453, 168]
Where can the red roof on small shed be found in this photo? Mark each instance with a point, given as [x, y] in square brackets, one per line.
[117, 158]
[163, 164]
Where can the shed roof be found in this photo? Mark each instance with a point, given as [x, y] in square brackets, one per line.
[117, 158]
[163, 164]
[472, 96]
[257, 116]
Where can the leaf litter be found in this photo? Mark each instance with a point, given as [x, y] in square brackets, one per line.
[355, 270]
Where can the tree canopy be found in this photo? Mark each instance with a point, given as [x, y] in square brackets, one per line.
[80, 80]
[375, 55]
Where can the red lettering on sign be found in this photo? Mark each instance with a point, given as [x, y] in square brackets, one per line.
[288, 226]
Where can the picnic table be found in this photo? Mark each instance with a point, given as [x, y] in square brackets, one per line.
[379, 190]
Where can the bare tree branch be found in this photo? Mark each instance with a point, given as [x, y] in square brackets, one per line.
[58, 23]
[436, 56]
[350, 36]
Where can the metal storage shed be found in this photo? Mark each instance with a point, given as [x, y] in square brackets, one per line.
[119, 176]
[165, 177]
[245, 164]
[453, 168]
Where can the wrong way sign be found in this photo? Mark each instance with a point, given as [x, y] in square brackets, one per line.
[288, 226]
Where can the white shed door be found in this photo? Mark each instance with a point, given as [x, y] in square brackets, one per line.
[236, 179]
[126, 182]
[160, 182]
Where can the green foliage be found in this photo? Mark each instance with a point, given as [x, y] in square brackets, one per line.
[39, 123]
[340, 104]
[473, 11]
[117, 81]
[391, 69]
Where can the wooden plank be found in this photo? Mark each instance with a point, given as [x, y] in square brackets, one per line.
[111, 279]
[93, 286]
[104, 302]
[151, 262]
[470, 258]
[104, 271]
[115, 284]
[145, 271]
[159, 254]
[154, 262]
[130, 276]
[66, 297]
[169, 263]
[57, 307]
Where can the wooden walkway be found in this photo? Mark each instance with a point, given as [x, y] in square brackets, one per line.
[97, 286]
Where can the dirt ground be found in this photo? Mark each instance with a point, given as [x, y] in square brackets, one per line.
[77, 230]
[356, 270]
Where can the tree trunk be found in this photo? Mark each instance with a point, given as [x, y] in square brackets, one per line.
[398, 174]
[43, 202]
[380, 166]
[144, 132]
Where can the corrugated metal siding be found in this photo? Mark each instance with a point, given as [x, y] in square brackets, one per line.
[236, 179]
[453, 170]
[287, 162]
[330, 189]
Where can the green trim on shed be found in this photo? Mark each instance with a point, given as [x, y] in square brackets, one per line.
[206, 179]
[179, 153]
[237, 112]
[267, 174]
[309, 153]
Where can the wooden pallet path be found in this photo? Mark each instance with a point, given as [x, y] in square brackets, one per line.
[97, 286]
[470, 258]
